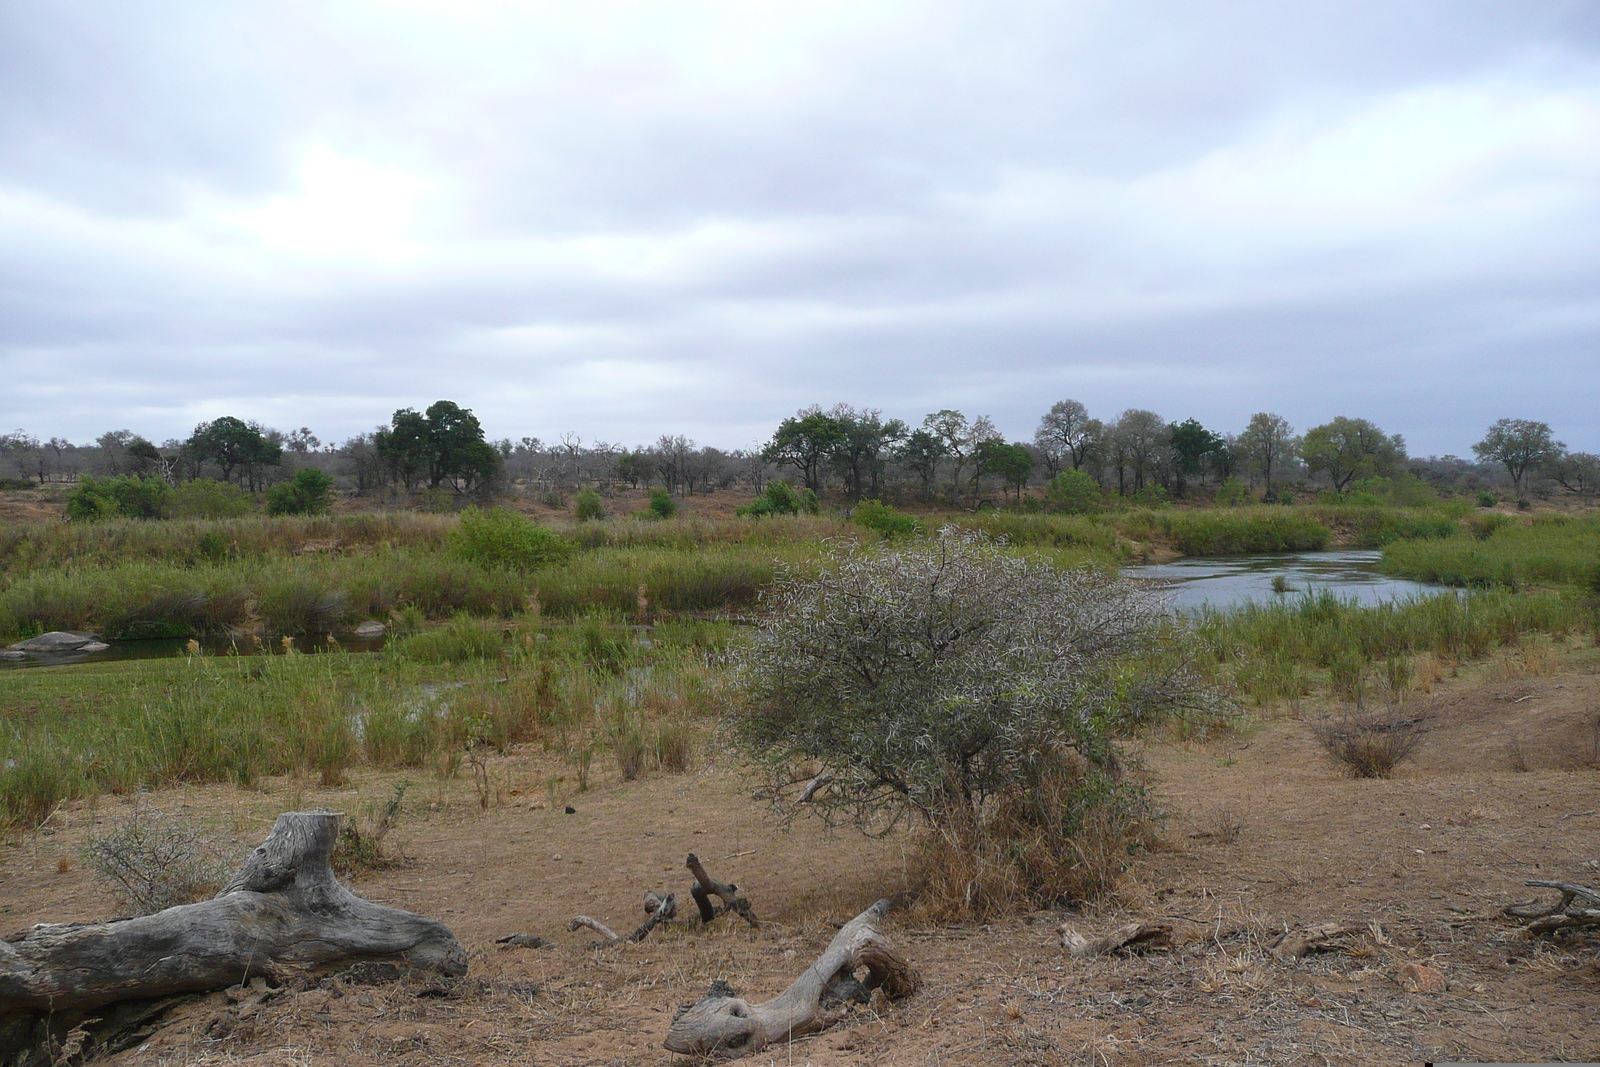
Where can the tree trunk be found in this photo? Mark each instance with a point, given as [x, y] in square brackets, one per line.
[724, 1024]
[283, 912]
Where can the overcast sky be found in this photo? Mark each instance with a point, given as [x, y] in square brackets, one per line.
[629, 219]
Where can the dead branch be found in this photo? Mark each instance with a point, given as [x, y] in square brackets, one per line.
[1134, 937]
[283, 913]
[1578, 907]
[723, 1024]
[1301, 942]
[813, 786]
[665, 908]
[706, 887]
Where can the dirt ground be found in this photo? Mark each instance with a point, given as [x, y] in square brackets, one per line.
[1262, 834]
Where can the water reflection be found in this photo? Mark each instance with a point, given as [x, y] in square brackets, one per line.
[1227, 581]
[211, 646]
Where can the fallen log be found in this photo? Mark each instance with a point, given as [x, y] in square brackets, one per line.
[1134, 937]
[284, 913]
[1579, 906]
[727, 1025]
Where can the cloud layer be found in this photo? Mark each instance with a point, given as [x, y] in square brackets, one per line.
[629, 219]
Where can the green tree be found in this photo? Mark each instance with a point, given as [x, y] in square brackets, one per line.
[806, 441]
[1346, 449]
[1013, 463]
[307, 493]
[662, 506]
[1192, 447]
[1522, 445]
[445, 445]
[921, 452]
[586, 506]
[235, 445]
[1266, 444]
[863, 439]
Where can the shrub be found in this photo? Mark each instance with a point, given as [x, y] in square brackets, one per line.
[1369, 745]
[122, 496]
[662, 506]
[876, 515]
[1074, 493]
[950, 681]
[155, 861]
[586, 506]
[1231, 493]
[496, 537]
[207, 498]
[1486, 500]
[307, 493]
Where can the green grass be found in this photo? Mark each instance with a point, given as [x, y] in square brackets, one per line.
[1550, 550]
[1227, 531]
[1284, 649]
[120, 726]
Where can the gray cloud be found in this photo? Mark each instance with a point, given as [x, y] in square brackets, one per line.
[580, 218]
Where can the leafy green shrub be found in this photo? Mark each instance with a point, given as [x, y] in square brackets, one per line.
[662, 506]
[1151, 496]
[1231, 493]
[120, 496]
[495, 537]
[1074, 493]
[876, 515]
[1486, 500]
[207, 498]
[586, 506]
[307, 493]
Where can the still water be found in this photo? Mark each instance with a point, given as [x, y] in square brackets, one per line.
[1228, 581]
[211, 646]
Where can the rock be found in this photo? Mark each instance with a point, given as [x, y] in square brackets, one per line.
[94, 646]
[371, 628]
[13, 655]
[55, 641]
[1420, 978]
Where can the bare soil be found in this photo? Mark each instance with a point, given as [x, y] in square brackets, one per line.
[1262, 834]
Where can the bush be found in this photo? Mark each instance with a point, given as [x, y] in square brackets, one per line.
[876, 515]
[950, 681]
[498, 538]
[1074, 493]
[307, 493]
[155, 861]
[662, 506]
[1231, 493]
[207, 498]
[1486, 500]
[586, 506]
[1369, 745]
[122, 496]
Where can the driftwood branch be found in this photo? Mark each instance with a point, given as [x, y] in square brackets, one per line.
[1302, 941]
[1134, 937]
[1579, 906]
[284, 912]
[660, 908]
[727, 1025]
[706, 887]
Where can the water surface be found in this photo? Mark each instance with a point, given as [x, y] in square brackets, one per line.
[1229, 581]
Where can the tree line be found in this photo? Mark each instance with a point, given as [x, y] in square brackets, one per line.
[857, 453]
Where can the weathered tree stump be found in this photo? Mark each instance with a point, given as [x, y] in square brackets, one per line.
[1134, 937]
[727, 1025]
[283, 913]
[706, 887]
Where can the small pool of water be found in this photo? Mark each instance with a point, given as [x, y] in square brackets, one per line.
[1228, 581]
[211, 646]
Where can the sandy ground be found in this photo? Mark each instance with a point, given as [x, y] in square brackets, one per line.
[1262, 834]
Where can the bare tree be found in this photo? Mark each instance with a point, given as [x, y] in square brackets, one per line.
[1067, 434]
[1267, 443]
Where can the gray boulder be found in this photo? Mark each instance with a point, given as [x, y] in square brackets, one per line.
[371, 628]
[58, 641]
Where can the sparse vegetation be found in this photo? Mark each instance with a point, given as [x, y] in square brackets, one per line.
[153, 860]
[1369, 744]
